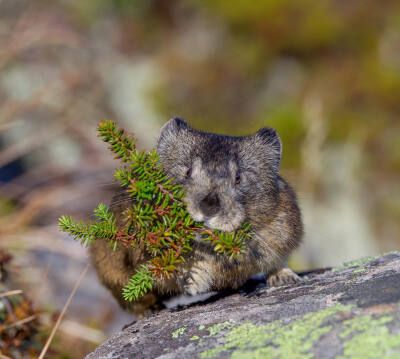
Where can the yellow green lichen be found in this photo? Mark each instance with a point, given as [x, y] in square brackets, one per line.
[201, 327]
[364, 337]
[218, 327]
[275, 339]
[195, 337]
[369, 338]
[359, 271]
[360, 262]
[177, 333]
[357, 263]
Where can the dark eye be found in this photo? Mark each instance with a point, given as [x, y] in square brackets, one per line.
[237, 178]
[188, 172]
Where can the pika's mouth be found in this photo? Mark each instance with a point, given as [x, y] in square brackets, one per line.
[224, 220]
[216, 222]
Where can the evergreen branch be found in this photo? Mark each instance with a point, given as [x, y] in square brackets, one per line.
[122, 145]
[139, 284]
[165, 191]
[78, 230]
[231, 244]
[87, 232]
[158, 220]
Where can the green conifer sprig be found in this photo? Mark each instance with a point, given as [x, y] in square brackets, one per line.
[157, 219]
[139, 284]
[105, 227]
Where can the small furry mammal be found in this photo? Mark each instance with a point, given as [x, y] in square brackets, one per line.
[228, 180]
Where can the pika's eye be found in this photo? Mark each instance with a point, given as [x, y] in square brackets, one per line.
[237, 178]
[188, 172]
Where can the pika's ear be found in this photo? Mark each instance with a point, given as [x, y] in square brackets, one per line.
[268, 140]
[170, 130]
[173, 126]
[267, 136]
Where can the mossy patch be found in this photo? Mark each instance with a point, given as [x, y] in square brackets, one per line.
[218, 327]
[359, 271]
[177, 333]
[195, 337]
[360, 262]
[275, 339]
[357, 263]
[369, 338]
[364, 337]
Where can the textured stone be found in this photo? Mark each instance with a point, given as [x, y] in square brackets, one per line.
[351, 311]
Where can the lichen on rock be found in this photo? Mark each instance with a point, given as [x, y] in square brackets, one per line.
[341, 314]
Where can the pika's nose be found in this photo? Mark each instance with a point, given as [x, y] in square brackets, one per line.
[210, 205]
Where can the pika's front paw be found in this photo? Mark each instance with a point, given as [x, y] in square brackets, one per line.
[197, 281]
[196, 285]
[284, 277]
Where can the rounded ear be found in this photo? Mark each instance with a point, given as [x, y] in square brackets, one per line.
[173, 126]
[268, 140]
[170, 130]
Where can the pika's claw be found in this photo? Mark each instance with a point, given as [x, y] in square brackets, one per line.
[284, 277]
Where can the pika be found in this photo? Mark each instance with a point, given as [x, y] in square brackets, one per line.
[227, 180]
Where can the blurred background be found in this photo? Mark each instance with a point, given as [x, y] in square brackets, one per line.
[325, 74]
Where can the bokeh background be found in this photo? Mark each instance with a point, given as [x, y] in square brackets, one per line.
[325, 74]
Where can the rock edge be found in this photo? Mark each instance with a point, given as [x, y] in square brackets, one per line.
[351, 311]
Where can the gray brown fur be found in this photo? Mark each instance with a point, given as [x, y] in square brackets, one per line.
[227, 180]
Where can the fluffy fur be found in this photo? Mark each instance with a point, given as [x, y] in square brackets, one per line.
[228, 180]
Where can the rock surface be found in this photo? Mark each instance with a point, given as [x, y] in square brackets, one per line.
[351, 311]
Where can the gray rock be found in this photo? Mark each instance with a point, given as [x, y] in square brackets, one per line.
[351, 311]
